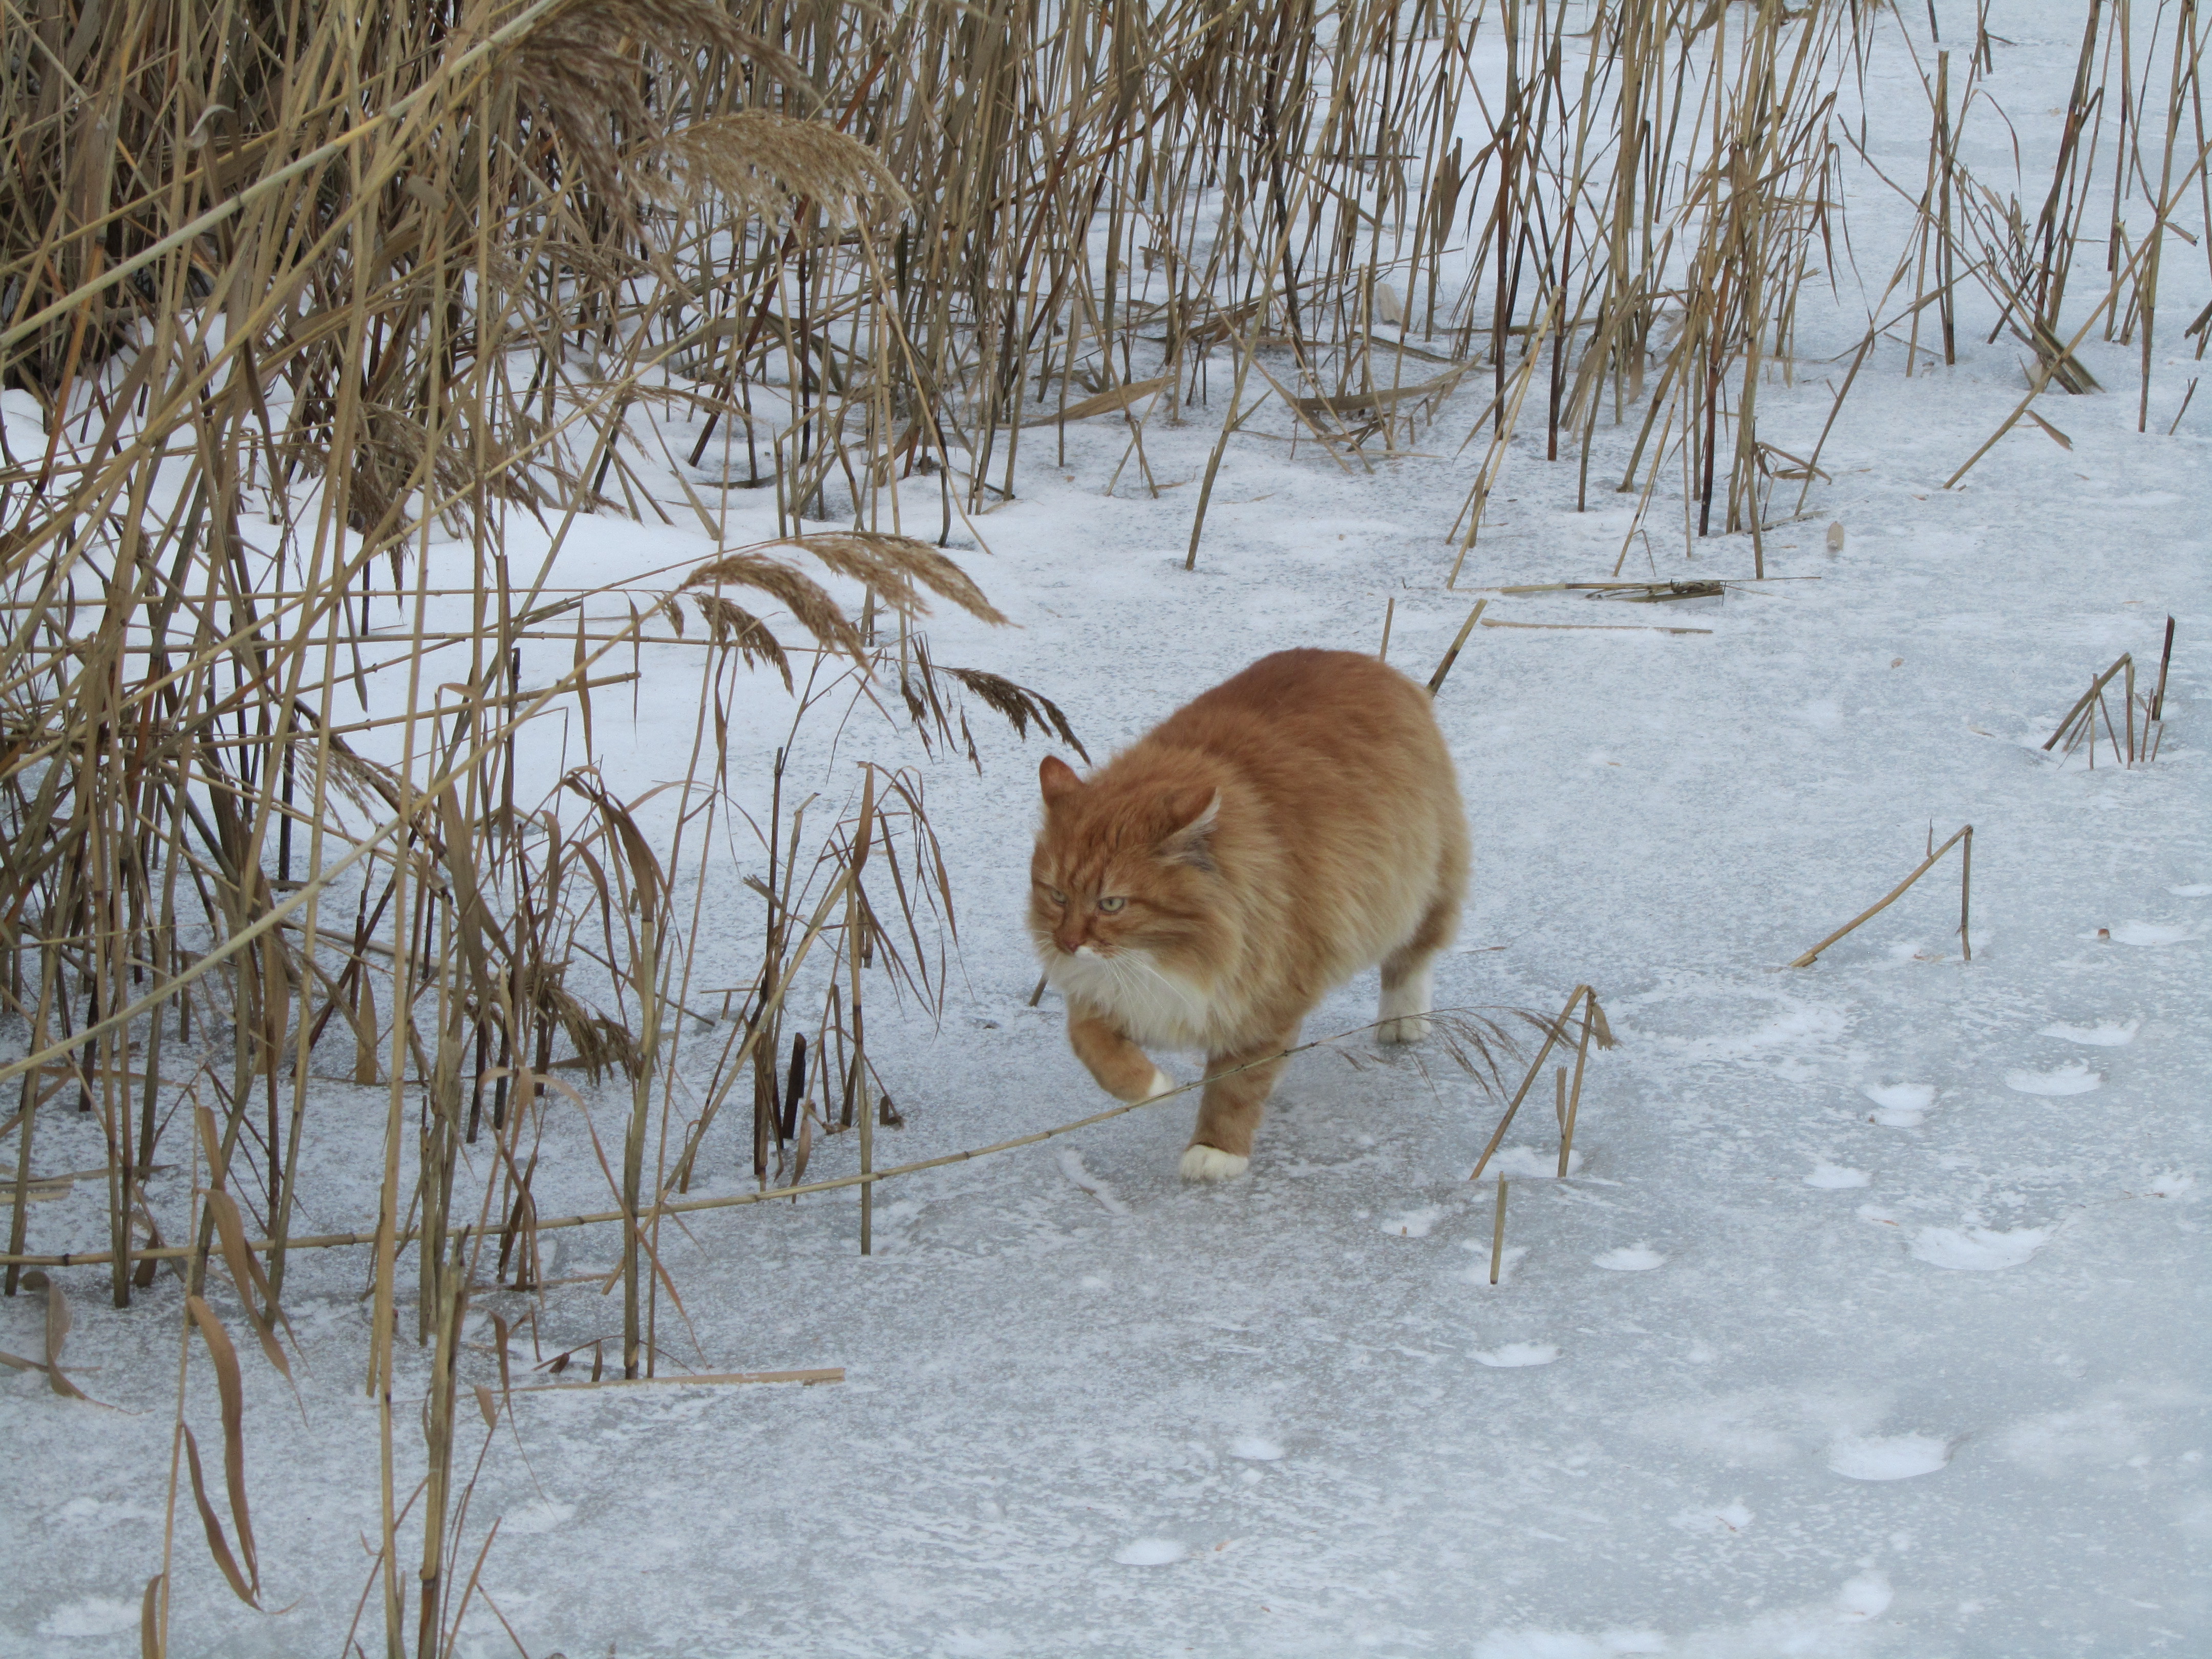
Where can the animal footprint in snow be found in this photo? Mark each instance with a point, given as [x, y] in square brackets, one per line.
[1979, 1249]
[1836, 1176]
[1633, 1259]
[2105, 1034]
[1887, 1457]
[1518, 1354]
[1867, 1596]
[1901, 1105]
[2071, 1078]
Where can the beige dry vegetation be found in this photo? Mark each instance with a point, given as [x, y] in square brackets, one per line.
[315, 301]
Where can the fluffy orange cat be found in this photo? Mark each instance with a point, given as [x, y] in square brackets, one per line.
[1210, 885]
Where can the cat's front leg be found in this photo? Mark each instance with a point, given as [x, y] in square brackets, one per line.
[1123, 1070]
[1237, 1084]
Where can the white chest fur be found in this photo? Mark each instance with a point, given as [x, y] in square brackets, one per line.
[1154, 1006]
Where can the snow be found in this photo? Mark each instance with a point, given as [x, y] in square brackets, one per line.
[1894, 1458]
[2071, 1078]
[1968, 1420]
[1631, 1259]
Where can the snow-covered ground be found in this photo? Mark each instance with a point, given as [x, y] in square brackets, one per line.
[1871, 1320]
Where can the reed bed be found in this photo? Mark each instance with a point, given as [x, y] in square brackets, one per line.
[309, 315]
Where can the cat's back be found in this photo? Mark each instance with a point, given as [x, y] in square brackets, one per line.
[1343, 711]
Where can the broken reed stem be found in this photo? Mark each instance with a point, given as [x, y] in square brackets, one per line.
[2081, 703]
[1437, 679]
[1964, 834]
[1389, 612]
[1497, 1232]
[1556, 1032]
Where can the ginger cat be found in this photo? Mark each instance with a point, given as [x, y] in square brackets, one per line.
[1210, 884]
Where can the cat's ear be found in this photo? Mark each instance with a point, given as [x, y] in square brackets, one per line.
[1192, 841]
[1057, 779]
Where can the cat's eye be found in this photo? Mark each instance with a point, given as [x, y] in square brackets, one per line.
[1055, 895]
[1110, 905]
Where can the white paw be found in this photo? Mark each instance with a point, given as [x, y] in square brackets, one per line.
[1162, 1083]
[1400, 1017]
[1212, 1164]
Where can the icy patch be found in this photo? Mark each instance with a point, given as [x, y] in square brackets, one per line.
[2071, 1078]
[1902, 1105]
[1814, 1023]
[1527, 1161]
[1414, 1223]
[2143, 932]
[1979, 1249]
[2057, 1443]
[1866, 1596]
[1566, 1645]
[539, 1514]
[2171, 1183]
[95, 1615]
[1508, 1259]
[2105, 1034]
[1071, 1165]
[1836, 1177]
[1630, 1259]
[2192, 890]
[1892, 1457]
[1518, 1354]
[1151, 1553]
[1255, 1449]
[1726, 1520]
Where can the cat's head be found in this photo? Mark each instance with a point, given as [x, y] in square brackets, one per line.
[1125, 864]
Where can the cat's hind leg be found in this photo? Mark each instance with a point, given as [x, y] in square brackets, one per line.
[1238, 1085]
[1409, 975]
[1123, 1070]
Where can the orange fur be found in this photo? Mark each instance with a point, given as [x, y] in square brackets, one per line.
[1210, 884]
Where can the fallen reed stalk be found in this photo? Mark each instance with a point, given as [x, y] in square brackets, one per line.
[1964, 835]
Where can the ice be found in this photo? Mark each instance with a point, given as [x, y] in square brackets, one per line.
[1413, 1224]
[2192, 890]
[1630, 1259]
[2071, 1078]
[2105, 1034]
[1723, 1522]
[1530, 1163]
[540, 1514]
[1151, 1553]
[1255, 1447]
[2145, 933]
[1979, 1249]
[1894, 1458]
[1836, 1176]
[94, 1615]
[1518, 1354]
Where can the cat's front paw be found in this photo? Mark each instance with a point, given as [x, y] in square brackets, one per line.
[1410, 1028]
[1212, 1164]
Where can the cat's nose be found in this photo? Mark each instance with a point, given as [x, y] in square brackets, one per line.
[1069, 939]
